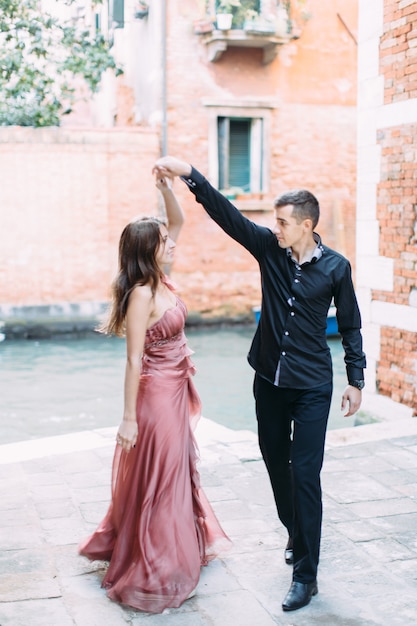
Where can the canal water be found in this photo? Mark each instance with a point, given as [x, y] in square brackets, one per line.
[54, 387]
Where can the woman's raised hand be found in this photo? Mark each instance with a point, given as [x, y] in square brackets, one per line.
[163, 183]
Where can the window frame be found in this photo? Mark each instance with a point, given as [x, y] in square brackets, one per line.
[260, 159]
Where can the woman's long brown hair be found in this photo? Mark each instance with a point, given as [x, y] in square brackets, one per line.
[138, 246]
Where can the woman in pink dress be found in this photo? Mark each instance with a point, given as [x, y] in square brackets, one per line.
[159, 529]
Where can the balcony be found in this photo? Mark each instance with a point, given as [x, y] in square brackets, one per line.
[218, 41]
[256, 31]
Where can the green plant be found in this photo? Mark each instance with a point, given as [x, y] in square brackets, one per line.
[227, 6]
[242, 9]
[40, 58]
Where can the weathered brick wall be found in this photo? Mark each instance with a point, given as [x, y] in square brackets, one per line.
[68, 192]
[312, 87]
[396, 369]
[64, 197]
[398, 50]
[396, 210]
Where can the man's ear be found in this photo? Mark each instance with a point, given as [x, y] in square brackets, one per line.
[308, 224]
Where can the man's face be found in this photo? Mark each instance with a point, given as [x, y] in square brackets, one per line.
[286, 229]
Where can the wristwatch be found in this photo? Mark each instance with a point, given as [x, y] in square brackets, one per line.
[359, 384]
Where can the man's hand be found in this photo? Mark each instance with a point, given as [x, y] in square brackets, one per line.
[171, 167]
[353, 396]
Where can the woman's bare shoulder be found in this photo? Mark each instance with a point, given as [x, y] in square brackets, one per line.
[141, 295]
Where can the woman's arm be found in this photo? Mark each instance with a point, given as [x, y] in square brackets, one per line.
[138, 312]
[173, 209]
[252, 236]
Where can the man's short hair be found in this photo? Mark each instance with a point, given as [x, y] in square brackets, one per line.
[306, 206]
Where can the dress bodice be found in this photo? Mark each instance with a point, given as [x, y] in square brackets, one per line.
[166, 351]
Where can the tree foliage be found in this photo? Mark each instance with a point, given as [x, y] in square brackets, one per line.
[41, 60]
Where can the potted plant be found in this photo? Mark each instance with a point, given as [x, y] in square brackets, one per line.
[141, 9]
[282, 22]
[224, 13]
[257, 24]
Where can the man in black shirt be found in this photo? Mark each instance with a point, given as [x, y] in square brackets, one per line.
[293, 369]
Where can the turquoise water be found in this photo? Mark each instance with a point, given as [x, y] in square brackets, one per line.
[54, 387]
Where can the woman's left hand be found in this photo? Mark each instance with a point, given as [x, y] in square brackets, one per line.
[163, 183]
[127, 434]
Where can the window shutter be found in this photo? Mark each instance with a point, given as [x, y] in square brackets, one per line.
[117, 13]
[239, 154]
[223, 151]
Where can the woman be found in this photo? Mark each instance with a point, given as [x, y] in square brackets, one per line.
[159, 528]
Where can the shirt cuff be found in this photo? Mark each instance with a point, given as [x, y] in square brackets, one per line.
[194, 179]
[354, 373]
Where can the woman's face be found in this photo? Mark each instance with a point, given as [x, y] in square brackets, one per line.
[165, 252]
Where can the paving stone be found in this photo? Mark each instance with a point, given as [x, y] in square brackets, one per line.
[395, 477]
[346, 487]
[368, 564]
[381, 508]
[21, 537]
[386, 550]
[55, 509]
[35, 613]
[27, 586]
[360, 530]
[88, 603]
[45, 478]
[48, 493]
[236, 607]
[401, 458]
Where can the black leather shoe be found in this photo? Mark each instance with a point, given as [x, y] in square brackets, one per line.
[289, 554]
[299, 595]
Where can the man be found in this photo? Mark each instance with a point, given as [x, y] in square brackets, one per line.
[289, 353]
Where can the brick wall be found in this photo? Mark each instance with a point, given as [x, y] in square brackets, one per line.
[398, 50]
[73, 189]
[387, 258]
[396, 210]
[64, 197]
[397, 367]
[311, 87]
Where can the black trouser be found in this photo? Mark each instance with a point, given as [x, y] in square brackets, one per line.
[292, 429]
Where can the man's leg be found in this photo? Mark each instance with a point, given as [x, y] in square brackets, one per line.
[310, 414]
[274, 432]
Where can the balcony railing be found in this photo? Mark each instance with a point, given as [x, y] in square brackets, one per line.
[256, 33]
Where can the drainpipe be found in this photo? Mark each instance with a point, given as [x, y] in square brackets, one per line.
[164, 139]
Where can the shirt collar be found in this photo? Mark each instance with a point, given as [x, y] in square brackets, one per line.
[317, 254]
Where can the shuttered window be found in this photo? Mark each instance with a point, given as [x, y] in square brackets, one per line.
[117, 13]
[239, 153]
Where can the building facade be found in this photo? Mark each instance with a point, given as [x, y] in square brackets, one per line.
[266, 105]
[386, 196]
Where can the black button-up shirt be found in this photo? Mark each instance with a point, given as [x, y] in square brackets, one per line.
[289, 348]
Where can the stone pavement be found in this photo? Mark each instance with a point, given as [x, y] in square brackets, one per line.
[54, 491]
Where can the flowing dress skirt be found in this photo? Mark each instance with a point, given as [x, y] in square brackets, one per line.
[159, 528]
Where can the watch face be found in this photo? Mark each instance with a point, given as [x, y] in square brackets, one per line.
[359, 384]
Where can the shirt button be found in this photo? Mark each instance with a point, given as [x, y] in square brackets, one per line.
[296, 280]
[292, 313]
[283, 353]
[286, 333]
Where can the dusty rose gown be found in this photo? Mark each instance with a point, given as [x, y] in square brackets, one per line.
[159, 528]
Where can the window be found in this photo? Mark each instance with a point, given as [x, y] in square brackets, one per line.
[240, 153]
[239, 145]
